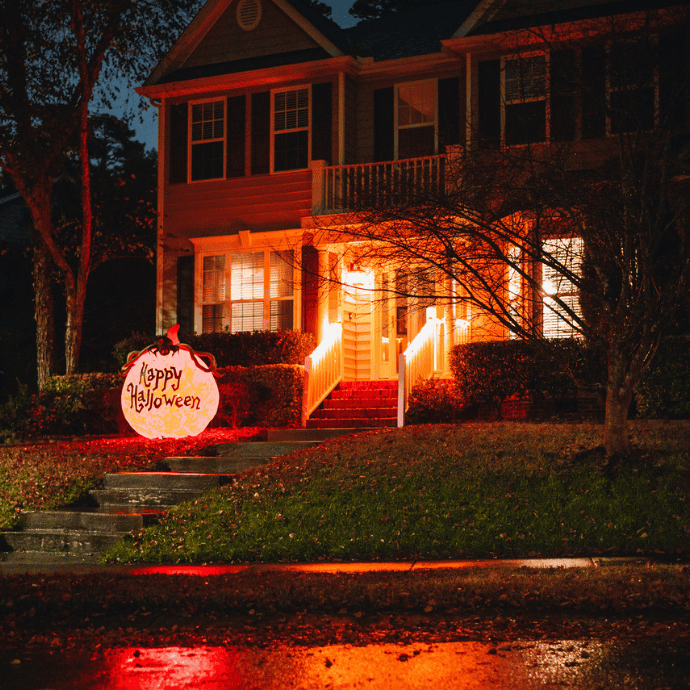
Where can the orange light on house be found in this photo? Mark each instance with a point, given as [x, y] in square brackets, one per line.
[169, 392]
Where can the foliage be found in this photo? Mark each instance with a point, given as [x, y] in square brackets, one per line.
[267, 396]
[472, 490]
[552, 370]
[44, 475]
[664, 391]
[251, 348]
[434, 401]
[76, 404]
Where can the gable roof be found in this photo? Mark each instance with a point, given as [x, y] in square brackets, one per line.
[328, 37]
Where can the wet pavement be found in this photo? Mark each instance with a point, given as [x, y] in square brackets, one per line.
[591, 664]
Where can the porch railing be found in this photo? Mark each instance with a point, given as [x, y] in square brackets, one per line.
[323, 370]
[421, 359]
[378, 185]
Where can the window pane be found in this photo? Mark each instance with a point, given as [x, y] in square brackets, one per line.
[525, 78]
[291, 110]
[247, 316]
[282, 280]
[247, 276]
[568, 252]
[525, 123]
[291, 151]
[207, 121]
[207, 160]
[212, 319]
[416, 142]
[214, 278]
[416, 104]
[281, 315]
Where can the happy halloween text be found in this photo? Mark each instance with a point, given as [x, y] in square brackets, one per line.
[147, 395]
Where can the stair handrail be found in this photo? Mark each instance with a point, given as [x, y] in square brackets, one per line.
[419, 361]
[323, 370]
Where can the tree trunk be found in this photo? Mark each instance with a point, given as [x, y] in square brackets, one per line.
[619, 390]
[44, 307]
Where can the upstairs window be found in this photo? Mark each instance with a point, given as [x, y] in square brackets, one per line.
[525, 102]
[207, 135]
[416, 119]
[291, 129]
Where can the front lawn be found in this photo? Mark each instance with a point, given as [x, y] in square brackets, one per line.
[466, 491]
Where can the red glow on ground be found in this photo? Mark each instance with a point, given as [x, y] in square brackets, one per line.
[189, 570]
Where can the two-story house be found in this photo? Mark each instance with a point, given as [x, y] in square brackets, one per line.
[271, 117]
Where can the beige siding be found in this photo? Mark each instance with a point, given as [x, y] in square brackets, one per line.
[226, 41]
[265, 202]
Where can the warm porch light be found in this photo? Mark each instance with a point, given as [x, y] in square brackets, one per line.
[168, 391]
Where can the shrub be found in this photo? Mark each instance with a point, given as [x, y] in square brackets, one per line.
[261, 396]
[235, 349]
[434, 401]
[490, 373]
[664, 391]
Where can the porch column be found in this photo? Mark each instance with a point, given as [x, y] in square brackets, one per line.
[322, 295]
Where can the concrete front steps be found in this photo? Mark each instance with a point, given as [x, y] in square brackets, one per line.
[358, 404]
[129, 500]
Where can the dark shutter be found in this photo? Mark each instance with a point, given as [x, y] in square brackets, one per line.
[563, 95]
[489, 101]
[593, 91]
[673, 78]
[236, 135]
[384, 124]
[261, 133]
[321, 121]
[185, 294]
[178, 143]
[448, 112]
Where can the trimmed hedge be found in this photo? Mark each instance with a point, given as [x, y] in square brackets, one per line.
[434, 401]
[664, 392]
[269, 396]
[489, 373]
[255, 348]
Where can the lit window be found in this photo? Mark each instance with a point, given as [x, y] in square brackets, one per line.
[416, 119]
[525, 89]
[557, 323]
[213, 293]
[207, 140]
[291, 129]
[515, 305]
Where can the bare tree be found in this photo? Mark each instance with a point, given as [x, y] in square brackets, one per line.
[52, 57]
[588, 233]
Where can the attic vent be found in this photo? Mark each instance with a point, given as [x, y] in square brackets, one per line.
[248, 14]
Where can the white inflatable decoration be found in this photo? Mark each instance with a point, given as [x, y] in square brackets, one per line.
[169, 392]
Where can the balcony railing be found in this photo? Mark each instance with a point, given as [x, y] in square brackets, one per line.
[380, 185]
[323, 370]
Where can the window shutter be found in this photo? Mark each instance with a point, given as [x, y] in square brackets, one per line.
[322, 121]
[673, 78]
[563, 95]
[384, 124]
[178, 143]
[448, 112]
[489, 101]
[185, 294]
[236, 136]
[593, 91]
[261, 133]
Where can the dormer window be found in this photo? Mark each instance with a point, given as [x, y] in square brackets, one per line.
[525, 99]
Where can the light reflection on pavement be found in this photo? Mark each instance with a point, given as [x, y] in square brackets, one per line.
[441, 666]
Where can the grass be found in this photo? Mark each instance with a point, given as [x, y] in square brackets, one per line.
[59, 472]
[467, 491]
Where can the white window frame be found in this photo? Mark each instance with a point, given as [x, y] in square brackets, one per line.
[546, 97]
[191, 143]
[396, 113]
[611, 89]
[267, 294]
[570, 297]
[308, 128]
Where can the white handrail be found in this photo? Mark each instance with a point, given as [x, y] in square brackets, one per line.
[419, 361]
[323, 370]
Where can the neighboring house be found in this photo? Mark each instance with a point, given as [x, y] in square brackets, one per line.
[269, 114]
